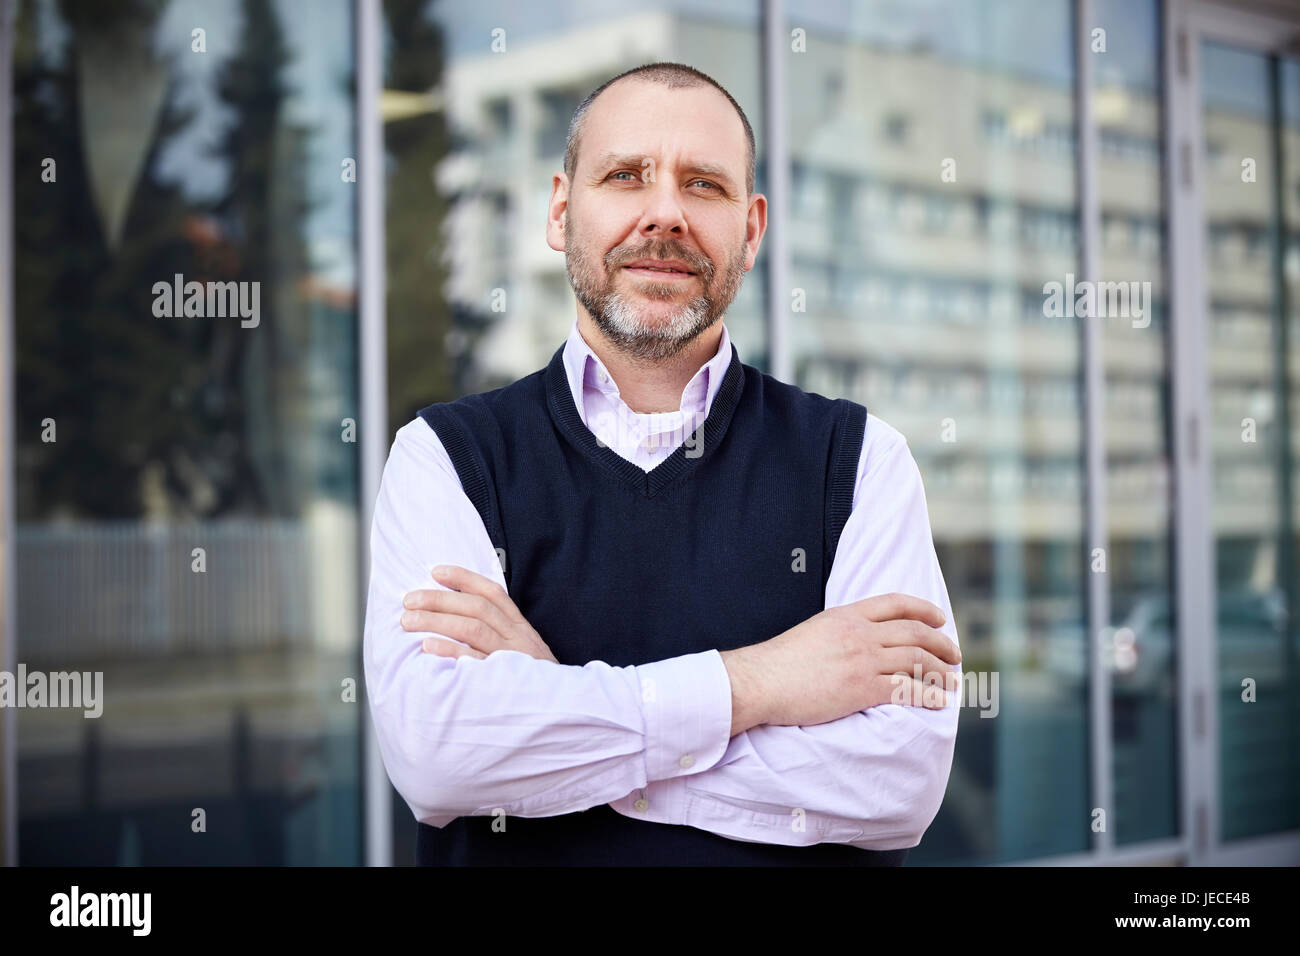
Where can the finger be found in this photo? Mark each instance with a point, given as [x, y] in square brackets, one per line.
[909, 692]
[444, 648]
[464, 604]
[890, 607]
[903, 633]
[470, 582]
[474, 632]
[917, 662]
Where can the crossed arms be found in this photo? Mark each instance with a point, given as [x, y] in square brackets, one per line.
[731, 742]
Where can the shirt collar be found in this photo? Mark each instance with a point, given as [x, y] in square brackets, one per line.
[583, 367]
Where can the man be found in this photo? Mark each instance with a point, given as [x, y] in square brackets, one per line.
[686, 610]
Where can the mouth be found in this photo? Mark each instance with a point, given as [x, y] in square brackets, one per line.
[664, 271]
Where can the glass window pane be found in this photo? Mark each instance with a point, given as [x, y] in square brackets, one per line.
[933, 149]
[1258, 762]
[186, 475]
[1140, 642]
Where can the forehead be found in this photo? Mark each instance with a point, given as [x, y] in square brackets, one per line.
[695, 124]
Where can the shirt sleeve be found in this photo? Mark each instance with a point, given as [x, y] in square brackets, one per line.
[873, 779]
[463, 736]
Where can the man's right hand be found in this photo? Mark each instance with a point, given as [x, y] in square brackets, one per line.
[843, 660]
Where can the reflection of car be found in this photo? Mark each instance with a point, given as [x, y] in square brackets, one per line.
[1251, 626]
[1251, 629]
[1143, 645]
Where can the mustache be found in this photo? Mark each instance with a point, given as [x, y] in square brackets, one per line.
[698, 264]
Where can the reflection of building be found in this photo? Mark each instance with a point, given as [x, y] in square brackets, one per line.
[192, 530]
[514, 112]
[925, 297]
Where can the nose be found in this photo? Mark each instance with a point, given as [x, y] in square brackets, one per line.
[663, 213]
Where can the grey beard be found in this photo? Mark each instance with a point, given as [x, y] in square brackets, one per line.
[621, 323]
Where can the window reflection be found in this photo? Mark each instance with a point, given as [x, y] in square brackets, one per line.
[1259, 774]
[933, 150]
[1139, 638]
[186, 485]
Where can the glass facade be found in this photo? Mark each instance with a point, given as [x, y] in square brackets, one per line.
[1251, 114]
[1139, 482]
[186, 474]
[933, 196]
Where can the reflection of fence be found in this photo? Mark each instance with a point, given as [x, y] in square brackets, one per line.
[119, 589]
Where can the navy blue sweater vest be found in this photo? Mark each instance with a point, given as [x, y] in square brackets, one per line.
[727, 542]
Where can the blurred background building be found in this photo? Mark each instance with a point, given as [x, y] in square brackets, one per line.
[1124, 484]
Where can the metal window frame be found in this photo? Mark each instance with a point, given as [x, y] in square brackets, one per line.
[1263, 29]
[377, 835]
[1096, 515]
[776, 118]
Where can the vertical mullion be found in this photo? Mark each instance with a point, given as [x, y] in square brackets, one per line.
[1194, 539]
[1094, 421]
[373, 369]
[776, 148]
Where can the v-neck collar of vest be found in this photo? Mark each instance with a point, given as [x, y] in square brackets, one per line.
[560, 399]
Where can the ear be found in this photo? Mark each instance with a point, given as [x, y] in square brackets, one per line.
[755, 227]
[557, 212]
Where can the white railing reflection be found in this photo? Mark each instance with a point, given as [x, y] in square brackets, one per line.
[103, 590]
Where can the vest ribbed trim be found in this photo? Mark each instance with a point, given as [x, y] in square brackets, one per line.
[844, 473]
[560, 400]
[464, 455]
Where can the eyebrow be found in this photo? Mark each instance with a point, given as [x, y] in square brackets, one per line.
[712, 170]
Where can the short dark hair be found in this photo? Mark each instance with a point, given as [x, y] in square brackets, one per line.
[673, 76]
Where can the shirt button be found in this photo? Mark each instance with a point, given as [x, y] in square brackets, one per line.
[603, 375]
[643, 805]
[687, 761]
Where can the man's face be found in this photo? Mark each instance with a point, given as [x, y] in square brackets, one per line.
[660, 176]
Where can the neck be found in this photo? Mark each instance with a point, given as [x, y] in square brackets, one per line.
[651, 386]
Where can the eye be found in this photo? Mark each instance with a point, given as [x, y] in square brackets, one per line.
[624, 172]
[707, 183]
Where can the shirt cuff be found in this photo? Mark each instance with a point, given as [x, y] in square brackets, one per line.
[686, 702]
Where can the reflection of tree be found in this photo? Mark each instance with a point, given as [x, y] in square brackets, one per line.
[88, 355]
[258, 372]
[141, 400]
[418, 316]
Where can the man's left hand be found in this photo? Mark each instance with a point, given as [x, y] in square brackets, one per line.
[477, 611]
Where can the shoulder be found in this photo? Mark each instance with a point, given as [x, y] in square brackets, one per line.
[488, 411]
[881, 443]
[887, 472]
[792, 399]
[418, 451]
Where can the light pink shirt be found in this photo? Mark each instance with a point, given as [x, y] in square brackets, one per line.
[461, 736]
[648, 438]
